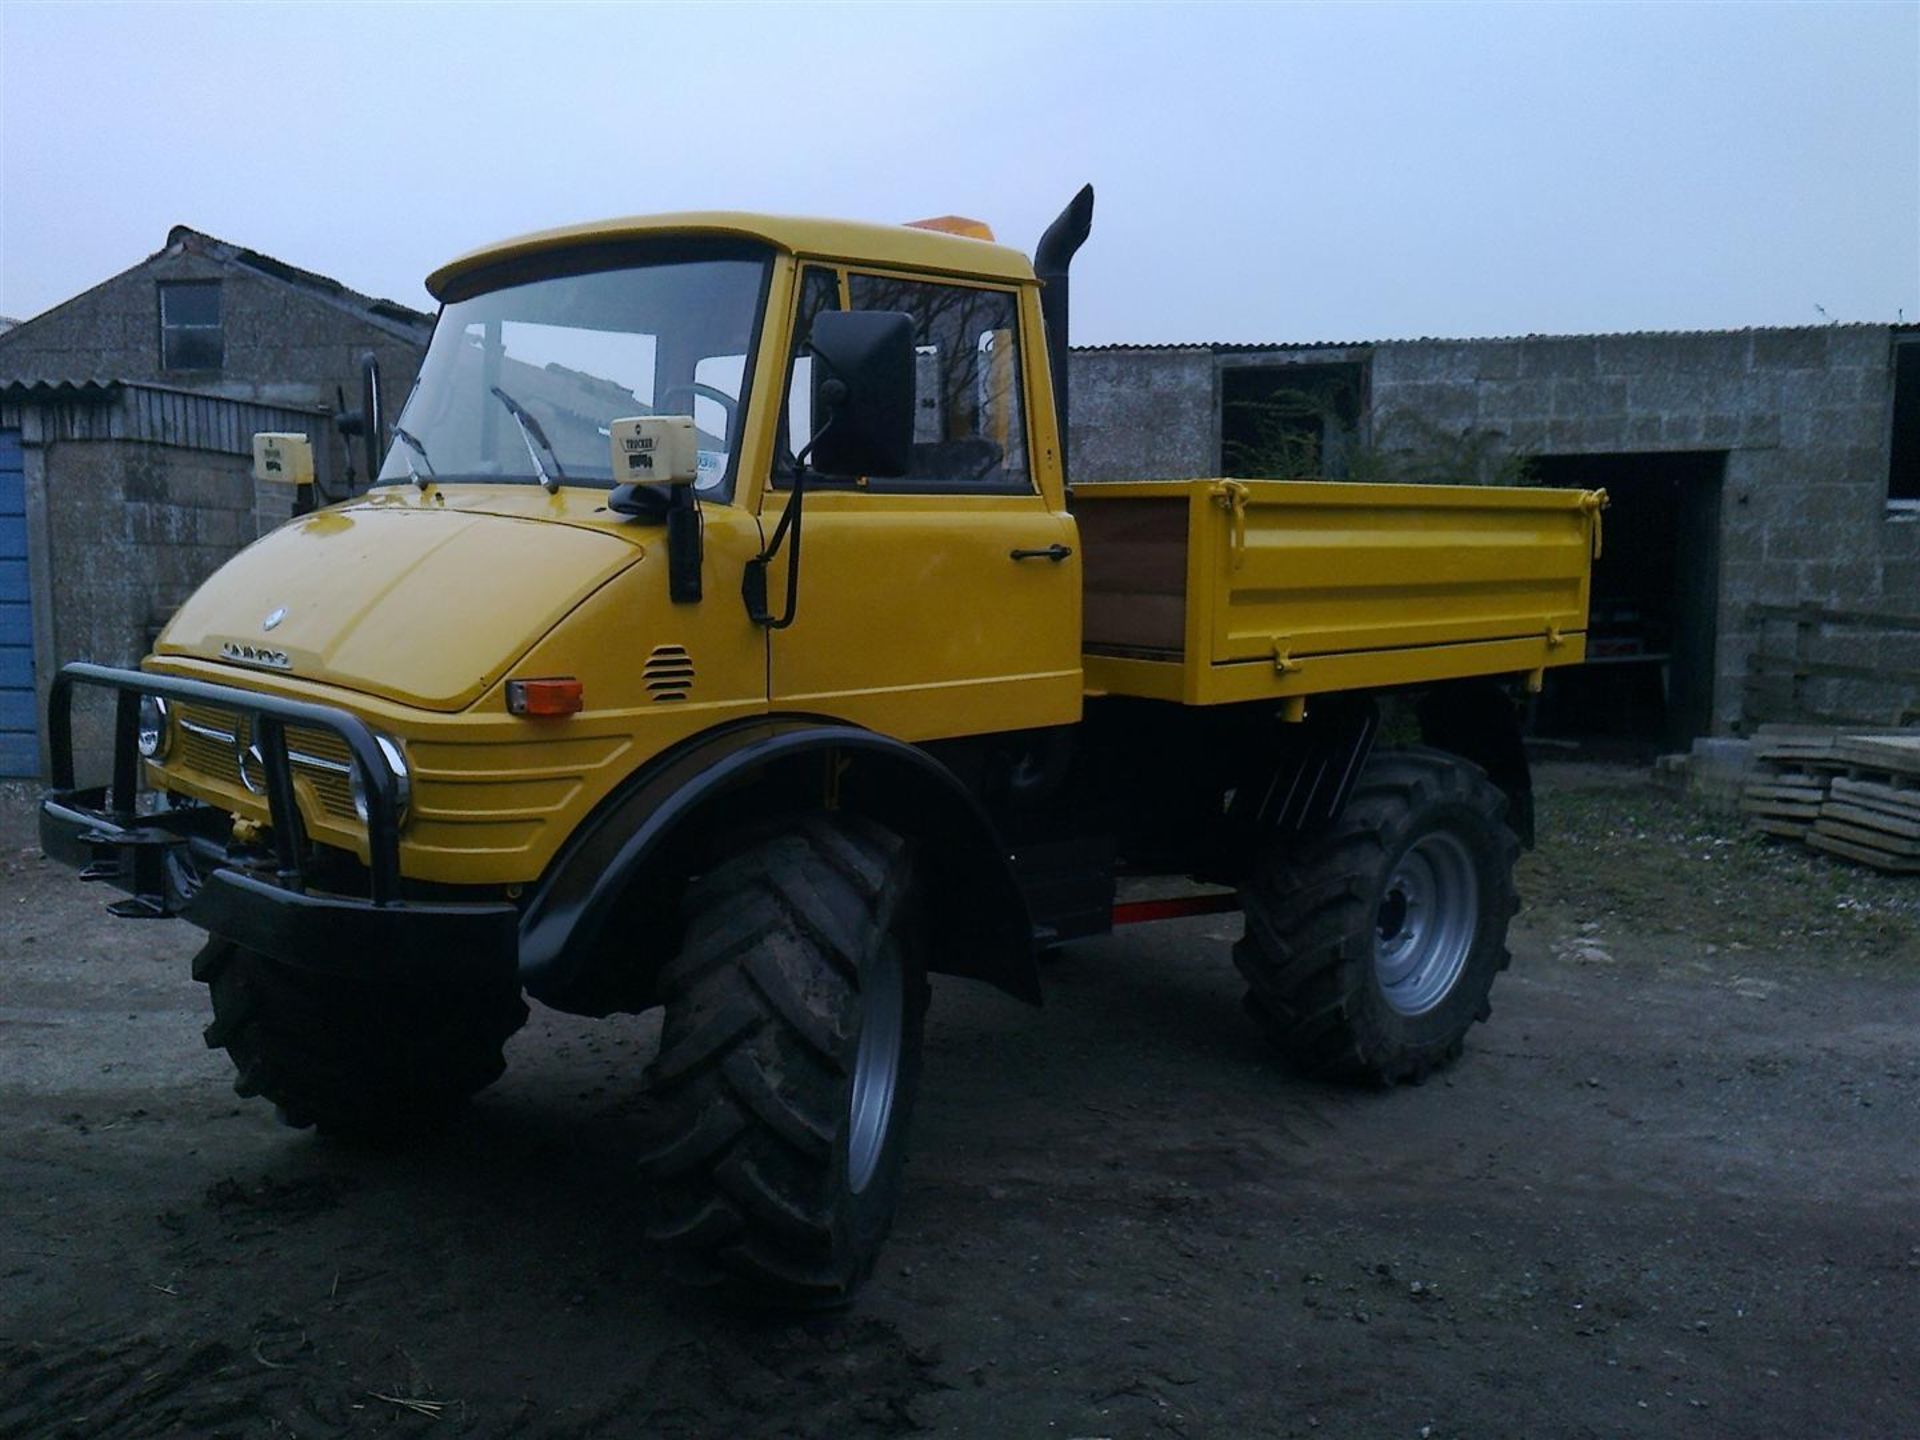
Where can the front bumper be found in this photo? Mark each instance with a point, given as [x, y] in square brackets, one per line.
[180, 862]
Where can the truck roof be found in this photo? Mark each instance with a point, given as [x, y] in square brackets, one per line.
[893, 245]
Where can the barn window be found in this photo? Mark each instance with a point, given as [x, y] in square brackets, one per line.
[190, 334]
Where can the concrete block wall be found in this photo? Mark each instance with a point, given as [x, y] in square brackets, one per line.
[1148, 414]
[1804, 416]
[132, 529]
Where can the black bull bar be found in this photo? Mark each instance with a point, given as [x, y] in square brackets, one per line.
[261, 902]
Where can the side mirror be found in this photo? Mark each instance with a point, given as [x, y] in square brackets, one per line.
[863, 377]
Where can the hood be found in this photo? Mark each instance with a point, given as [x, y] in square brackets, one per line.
[425, 607]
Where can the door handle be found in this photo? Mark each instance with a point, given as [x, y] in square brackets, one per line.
[1055, 553]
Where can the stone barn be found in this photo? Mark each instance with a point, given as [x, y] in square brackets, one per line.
[1762, 553]
[126, 423]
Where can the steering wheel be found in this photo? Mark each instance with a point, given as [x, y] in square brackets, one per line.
[702, 391]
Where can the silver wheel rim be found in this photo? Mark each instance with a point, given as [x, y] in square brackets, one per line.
[1423, 931]
[876, 1068]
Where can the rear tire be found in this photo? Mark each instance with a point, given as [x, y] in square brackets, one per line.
[369, 1059]
[789, 1062]
[1371, 951]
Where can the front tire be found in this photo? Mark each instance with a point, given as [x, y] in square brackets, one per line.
[1371, 951]
[789, 1062]
[360, 1058]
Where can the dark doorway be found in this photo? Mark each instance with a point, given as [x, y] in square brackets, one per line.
[1650, 640]
[1903, 475]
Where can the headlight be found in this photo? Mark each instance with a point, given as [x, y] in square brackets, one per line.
[154, 735]
[397, 762]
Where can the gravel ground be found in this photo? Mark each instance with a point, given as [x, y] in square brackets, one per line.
[1673, 1189]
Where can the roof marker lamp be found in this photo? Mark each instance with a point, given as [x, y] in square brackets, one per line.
[546, 699]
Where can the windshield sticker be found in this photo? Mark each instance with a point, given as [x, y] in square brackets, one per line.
[712, 469]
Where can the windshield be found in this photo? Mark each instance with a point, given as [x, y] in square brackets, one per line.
[520, 383]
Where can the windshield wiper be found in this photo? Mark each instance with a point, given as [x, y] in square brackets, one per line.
[530, 431]
[407, 438]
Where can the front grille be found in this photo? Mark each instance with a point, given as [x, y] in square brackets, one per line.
[210, 744]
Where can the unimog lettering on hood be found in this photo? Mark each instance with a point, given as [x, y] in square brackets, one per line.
[246, 654]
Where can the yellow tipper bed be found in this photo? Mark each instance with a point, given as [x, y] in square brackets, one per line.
[1209, 591]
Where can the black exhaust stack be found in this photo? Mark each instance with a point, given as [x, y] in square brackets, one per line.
[1050, 263]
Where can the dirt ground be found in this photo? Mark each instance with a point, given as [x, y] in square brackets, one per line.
[1673, 1189]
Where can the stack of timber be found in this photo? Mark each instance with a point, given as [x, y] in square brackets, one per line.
[1851, 793]
[1872, 811]
[1789, 782]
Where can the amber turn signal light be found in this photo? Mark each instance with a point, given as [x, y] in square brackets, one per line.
[562, 696]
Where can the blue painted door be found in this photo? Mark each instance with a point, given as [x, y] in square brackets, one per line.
[19, 717]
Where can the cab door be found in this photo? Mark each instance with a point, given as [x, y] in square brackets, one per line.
[945, 602]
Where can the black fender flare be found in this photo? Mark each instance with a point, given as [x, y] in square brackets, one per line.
[979, 924]
[1479, 720]
[1308, 784]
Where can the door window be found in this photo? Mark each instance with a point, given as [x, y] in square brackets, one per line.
[969, 423]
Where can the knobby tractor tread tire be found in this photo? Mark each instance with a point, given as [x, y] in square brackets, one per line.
[785, 943]
[358, 1058]
[1314, 912]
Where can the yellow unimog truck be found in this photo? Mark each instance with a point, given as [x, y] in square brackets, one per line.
[721, 634]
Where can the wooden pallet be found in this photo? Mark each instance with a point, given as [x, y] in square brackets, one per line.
[1876, 822]
[1793, 745]
[1784, 794]
[1872, 855]
[1890, 754]
[1894, 825]
[1887, 794]
[1786, 789]
[1869, 837]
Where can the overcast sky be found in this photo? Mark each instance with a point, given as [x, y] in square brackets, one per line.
[1264, 172]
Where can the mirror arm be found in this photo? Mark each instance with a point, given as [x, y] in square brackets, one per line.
[753, 583]
[639, 500]
[680, 508]
[348, 424]
[683, 546]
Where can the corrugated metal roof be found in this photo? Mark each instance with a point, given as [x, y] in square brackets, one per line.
[1231, 347]
[152, 414]
[59, 392]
